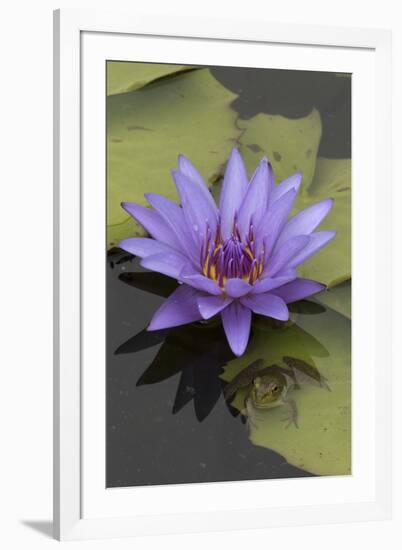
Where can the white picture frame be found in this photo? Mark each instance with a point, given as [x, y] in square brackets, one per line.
[83, 508]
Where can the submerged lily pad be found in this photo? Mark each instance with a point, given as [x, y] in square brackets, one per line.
[322, 443]
[290, 144]
[189, 114]
[338, 298]
[332, 265]
[127, 76]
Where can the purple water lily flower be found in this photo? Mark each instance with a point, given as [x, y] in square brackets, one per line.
[233, 260]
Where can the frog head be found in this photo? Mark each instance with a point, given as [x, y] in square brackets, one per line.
[267, 390]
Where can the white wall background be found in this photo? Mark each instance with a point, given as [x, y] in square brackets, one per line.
[26, 273]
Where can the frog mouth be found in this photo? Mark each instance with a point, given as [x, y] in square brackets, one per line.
[264, 401]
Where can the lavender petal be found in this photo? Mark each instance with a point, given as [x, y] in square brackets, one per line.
[211, 305]
[237, 287]
[298, 290]
[255, 202]
[198, 281]
[305, 221]
[268, 283]
[180, 308]
[143, 247]
[186, 168]
[292, 182]
[236, 321]
[274, 220]
[267, 304]
[317, 241]
[234, 188]
[282, 258]
[173, 216]
[153, 223]
[168, 263]
[199, 210]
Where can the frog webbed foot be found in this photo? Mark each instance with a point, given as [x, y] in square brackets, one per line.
[292, 414]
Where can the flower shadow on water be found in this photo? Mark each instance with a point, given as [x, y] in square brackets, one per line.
[197, 352]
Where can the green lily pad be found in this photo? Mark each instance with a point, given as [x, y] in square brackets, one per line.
[331, 265]
[290, 144]
[127, 76]
[189, 114]
[338, 298]
[322, 443]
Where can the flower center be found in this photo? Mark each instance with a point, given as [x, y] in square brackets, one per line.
[232, 258]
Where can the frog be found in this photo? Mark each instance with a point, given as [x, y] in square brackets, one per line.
[271, 386]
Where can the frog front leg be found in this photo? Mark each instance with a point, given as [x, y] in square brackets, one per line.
[292, 416]
[249, 413]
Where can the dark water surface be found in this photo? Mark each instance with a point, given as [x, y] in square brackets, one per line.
[293, 94]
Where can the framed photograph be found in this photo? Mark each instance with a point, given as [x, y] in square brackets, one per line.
[218, 187]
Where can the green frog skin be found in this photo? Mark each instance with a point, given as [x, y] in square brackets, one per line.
[268, 391]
